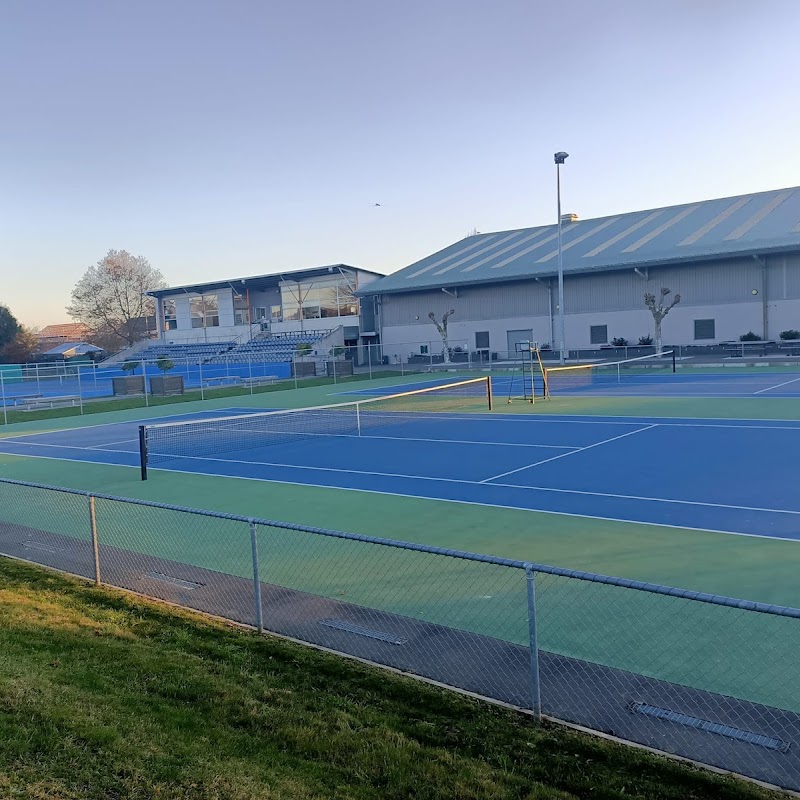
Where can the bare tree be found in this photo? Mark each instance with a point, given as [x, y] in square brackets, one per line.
[442, 328]
[110, 296]
[659, 311]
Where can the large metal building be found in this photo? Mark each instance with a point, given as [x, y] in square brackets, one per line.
[735, 262]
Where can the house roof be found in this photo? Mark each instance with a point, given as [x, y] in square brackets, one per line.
[73, 349]
[259, 281]
[750, 224]
[68, 330]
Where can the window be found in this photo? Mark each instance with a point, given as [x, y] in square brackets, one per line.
[598, 334]
[196, 311]
[241, 313]
[204, 311]
[274, 313]
[482, 340]
[170, 315]
[260, 313]
[211, 310]
[704, 329]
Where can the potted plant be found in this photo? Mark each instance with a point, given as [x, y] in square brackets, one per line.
[162, 385]
[130, 383]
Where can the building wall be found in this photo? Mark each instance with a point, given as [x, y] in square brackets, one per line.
[734, 293]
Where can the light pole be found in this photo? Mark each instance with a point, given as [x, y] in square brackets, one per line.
[560, 158]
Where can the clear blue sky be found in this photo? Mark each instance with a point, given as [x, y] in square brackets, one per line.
[234, 138]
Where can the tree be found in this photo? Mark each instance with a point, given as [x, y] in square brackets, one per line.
[9, 327]
[21, 349]
[442, 328]
[660, 311]
[110, 295]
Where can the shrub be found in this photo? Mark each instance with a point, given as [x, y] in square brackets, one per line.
[619, 342]
[130, 366]
[646, 341]
[749, 337]
[790, 334]
[303, 349]
[165, 364]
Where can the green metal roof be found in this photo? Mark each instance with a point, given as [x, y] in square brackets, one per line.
[748, 224]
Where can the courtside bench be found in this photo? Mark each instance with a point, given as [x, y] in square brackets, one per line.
[32, 403]
[262, 380]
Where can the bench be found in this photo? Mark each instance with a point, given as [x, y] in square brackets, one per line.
[221, 380]
[740, 349]
[793, 346]
[21, 399]
[31, 404]
[263, 380]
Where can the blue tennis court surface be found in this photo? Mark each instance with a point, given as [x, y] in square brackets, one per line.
[733, 476]
[728, 382]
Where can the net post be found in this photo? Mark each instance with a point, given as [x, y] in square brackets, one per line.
[143, 451]
[533, 645]
[3, 399]
[358, 418]
[673, 361]
[489, 392]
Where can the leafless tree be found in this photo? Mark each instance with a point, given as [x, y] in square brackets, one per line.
[659, 311]
[110, 295]
[442, 328]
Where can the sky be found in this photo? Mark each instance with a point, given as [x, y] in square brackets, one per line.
[225, 139]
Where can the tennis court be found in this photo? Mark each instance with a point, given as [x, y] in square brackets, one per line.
[726, 475]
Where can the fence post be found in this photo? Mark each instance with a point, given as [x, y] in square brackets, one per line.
[3, 399]
[144, 383]
[536, 697]
[95, 546]
[256, 577]
[80, 390]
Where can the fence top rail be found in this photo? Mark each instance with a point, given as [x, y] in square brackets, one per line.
[529, 567]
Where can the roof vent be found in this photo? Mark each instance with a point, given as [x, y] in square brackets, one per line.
[569, 217]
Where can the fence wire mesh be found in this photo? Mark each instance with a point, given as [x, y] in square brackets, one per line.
[707, 678]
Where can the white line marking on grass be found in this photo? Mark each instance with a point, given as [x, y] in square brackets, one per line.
[438, 499]
[777, 386]
[564, 455]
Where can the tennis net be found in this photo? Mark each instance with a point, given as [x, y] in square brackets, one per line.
[207, 437]
[579, 376]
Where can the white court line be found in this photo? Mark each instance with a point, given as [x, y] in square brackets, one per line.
[280, 481]
[777, 386]
[564, 455]
[103, 445]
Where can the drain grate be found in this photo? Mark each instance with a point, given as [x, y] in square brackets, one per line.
[358, 630]
[41, 546]
[160, 576]
[758, 739]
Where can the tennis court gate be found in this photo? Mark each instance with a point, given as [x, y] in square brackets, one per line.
[528, 377]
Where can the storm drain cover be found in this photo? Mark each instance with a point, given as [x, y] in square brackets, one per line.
[358, 630]
[759, 739]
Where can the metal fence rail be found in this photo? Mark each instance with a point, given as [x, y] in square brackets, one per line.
[710, 678]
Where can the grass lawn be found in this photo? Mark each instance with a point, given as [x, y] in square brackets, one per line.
[104, 695]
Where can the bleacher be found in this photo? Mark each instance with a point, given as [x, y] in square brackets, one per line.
[282, 347]
[194, 353]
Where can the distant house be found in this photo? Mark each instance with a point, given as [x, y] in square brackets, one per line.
[53, 335]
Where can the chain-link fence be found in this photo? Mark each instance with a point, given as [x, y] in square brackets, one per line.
[709, 678]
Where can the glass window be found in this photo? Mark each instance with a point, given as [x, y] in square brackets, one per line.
[196, 311]
[170, 315]
[211, 310]
[704, 329]
[259, 313]
[290, 302]
[348, 305]
[598, 334]
[328, 304]
[275, 313]
[241, 313]
[482, 340]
